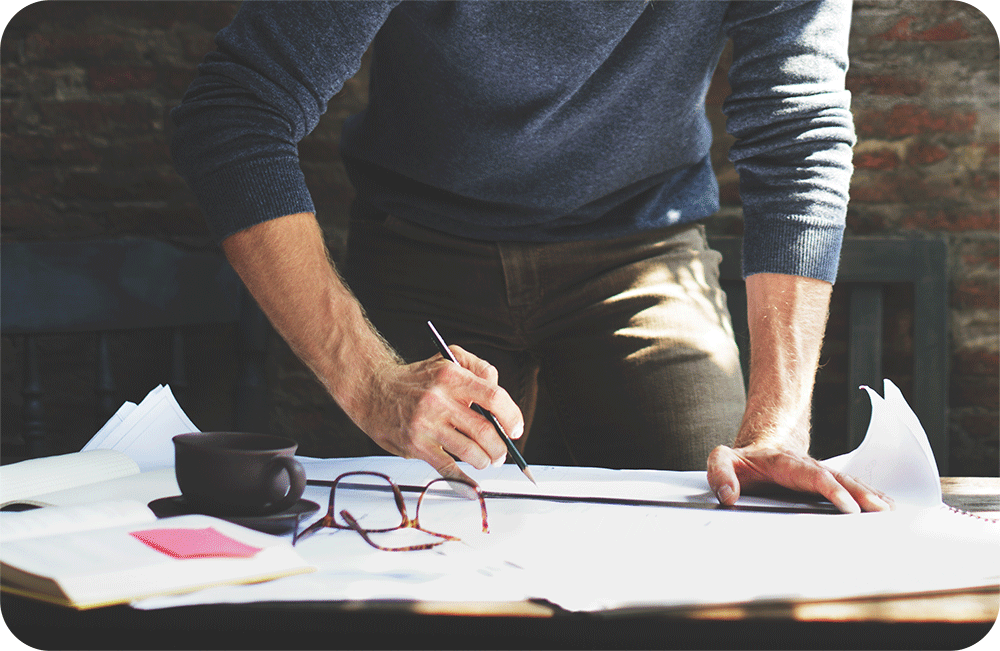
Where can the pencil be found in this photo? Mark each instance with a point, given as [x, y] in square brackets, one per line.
[518, 459]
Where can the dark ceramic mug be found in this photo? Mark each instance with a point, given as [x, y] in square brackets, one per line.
[237, 473]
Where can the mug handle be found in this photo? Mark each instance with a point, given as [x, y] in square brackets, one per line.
[296, 482]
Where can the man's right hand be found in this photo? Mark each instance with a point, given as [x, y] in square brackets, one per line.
[420, 410]
[423, 411]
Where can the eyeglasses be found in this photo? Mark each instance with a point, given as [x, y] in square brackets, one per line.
[379, 520]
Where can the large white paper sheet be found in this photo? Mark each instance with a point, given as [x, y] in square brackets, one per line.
[586, 557]
[895, 455]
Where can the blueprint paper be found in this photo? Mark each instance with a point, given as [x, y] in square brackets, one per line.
[589, 557]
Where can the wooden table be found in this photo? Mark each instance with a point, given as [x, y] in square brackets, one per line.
[930, 621]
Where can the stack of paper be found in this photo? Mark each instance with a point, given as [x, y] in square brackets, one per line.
[144, 432]
[131, 456]
[97, 543]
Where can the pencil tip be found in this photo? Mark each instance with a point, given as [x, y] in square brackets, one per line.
[527, 473]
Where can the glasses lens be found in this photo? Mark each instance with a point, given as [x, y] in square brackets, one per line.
[369, 498]
[443, 510]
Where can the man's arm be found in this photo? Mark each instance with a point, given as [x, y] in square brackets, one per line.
[236, 144]
[787, 319]
[418, 410]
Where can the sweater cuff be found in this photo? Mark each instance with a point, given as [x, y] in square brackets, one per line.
[245, 194]
[793, 248]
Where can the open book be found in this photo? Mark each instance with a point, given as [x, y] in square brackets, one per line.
[82, 551]
[106, 553]
[137, 440]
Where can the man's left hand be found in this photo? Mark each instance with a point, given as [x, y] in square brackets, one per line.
[744, 469]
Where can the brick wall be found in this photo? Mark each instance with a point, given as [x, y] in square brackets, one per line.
[924, 78]
[87, 87]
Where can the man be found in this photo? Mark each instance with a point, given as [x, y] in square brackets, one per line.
[531, 177]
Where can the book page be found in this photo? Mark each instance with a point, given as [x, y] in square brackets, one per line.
[109, 427]
[143, 487]
[19, 482]
[126, 416]
[106, 566]
[64, 519]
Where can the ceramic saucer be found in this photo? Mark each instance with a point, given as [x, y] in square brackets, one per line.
[275, 523]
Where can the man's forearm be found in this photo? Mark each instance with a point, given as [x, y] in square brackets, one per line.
[787, 318]
[285, 265]
[416, 410]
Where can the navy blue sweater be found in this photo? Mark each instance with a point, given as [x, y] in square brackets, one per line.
[535, 120]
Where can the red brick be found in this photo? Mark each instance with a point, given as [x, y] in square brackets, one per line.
[942, 220]
[166, 14]
[139, 185]
[910, 119]
[98, 116]
[70, 15]
[925, 153]
[903, 31]
[980, 254]
[79, 48]
[39, 221]
[143, 152]
[75, 150]
[105, 79]
[26, 148]
[988, 185]
[977, 361]
[893, 187]
[976, 294]
[31, 183]
[884, 85]
[885, 159]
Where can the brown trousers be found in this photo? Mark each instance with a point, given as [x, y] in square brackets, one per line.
[620, 353]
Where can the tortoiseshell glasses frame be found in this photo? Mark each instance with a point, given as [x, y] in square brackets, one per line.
[329, 520]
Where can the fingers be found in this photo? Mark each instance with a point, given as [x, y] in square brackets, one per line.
[448, 469]
[868, 498]
[822, 481]
[477, 365]
[488, 394]
[424, 410]
[731, 471]
[847, 493]
[442, 422]
[722, 475]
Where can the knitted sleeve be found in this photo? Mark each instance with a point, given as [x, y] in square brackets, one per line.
[791, 118]
[256, 96]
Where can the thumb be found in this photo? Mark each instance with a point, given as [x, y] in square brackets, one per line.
[722, 477]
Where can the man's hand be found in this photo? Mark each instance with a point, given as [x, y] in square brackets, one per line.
[731, 471]
[422, 411]
[787, 319]
[419, 410]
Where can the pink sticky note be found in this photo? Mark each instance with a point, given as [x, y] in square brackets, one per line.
[195, 543]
